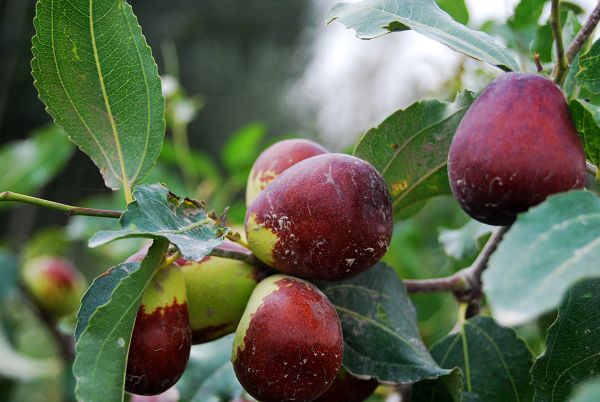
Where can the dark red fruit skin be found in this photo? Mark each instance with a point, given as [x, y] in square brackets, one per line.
[332, 214]
[347, 388]
[278, 157]
[159, 350]
[515, 146]
[293, 345]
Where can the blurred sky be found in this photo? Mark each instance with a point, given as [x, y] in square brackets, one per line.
[351, 85]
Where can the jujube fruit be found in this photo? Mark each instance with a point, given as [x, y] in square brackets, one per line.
[162, 337]
[55, 284]
[275, 160]
[348, 388]
[515, 146]
[327, 217]
[288, 345]
[218, 290]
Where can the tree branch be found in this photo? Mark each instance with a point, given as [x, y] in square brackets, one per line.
[68, 209]
[561, 62]
[584, 34]
[466, 283]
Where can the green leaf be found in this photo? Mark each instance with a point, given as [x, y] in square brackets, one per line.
[589, 391]
[27, 165]
[96, 75]
[158, 214]
[572, 352]
[495, 363]
[587, 128]
[589, 69]
[209, 373]
[444, 389]
[527, 13]
[373, 18]
[100, 292]
[547, 250]
[456, 8]
[410, 149]
[381, 338]
[464, 242]
[102, 348]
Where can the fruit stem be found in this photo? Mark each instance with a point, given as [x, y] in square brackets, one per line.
[170, 259]
[68, 209]
[561, 63]
[240, 256]
[237, 238]
[466, 283]
[583, 35]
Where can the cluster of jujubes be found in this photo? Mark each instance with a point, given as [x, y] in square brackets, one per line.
[314, 215]
[311, 214]
[515, 146]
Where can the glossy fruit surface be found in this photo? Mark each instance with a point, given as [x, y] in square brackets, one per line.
[218, 290]
[161, 338]
[289, 345]
[275, 160]
[348, 388]
[327, 217]
[515, 146]
[55, 284]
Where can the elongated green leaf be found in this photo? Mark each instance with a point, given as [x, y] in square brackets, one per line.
[158, 214]
[96, 75]
[587, 392]
[527, 13]
[100, 292]
[209, 373]
[589, 69]
[102, 348]
[27, 165]
[587, 128]
[494, 362]
[572, 352]
[373, 18]
[547, 250]
[381, 338]
[410, 149]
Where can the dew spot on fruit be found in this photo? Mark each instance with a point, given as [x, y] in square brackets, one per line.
[350, 261]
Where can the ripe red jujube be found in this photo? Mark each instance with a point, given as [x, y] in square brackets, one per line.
[514, 147]
[327, 217]
[289, 345]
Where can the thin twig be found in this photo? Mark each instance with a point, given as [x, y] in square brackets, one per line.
[66, 343]
[561, 62]
[68, 209]
[466, 283]
[240, 256]
[584, 34]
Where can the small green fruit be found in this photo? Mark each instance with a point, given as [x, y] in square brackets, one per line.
[275, 160]
[289, 345]
[218, 290]
[55, 284]
[162, 337]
